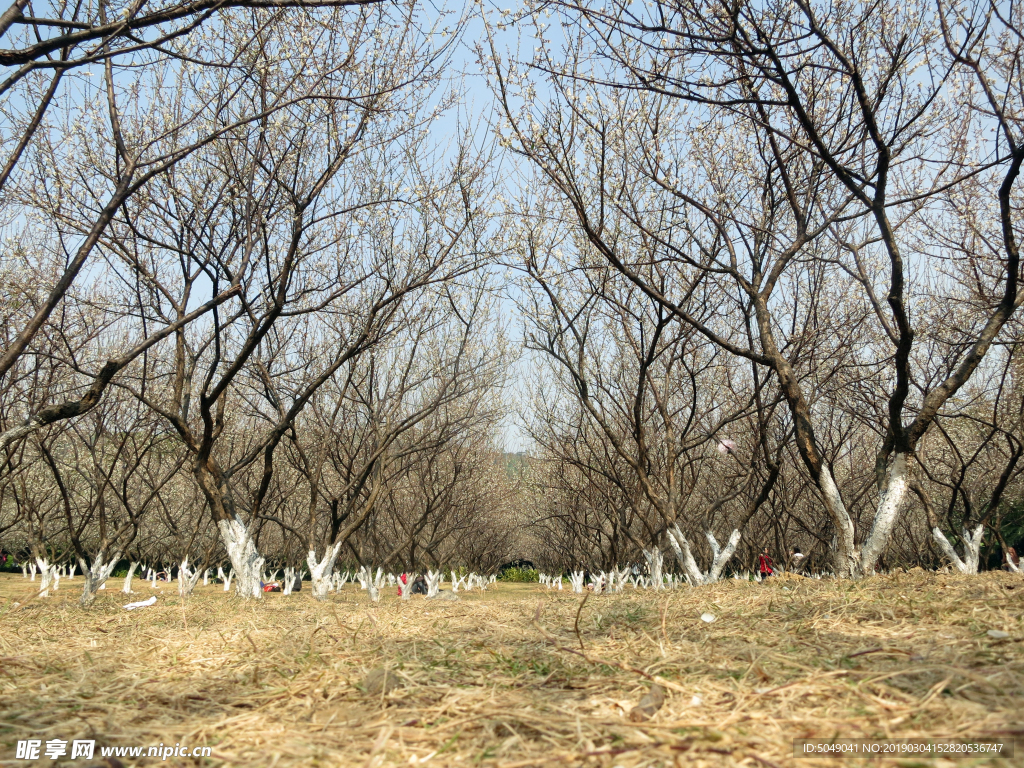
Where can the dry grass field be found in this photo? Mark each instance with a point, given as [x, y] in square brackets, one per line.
[487, 681]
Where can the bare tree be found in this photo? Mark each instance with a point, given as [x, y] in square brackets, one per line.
[761, 146]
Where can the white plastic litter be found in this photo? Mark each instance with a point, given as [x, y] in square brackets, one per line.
[140, 604]
[998, 634]
[696, 701]
[708, 617]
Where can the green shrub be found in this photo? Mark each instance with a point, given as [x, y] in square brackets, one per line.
[519, 575]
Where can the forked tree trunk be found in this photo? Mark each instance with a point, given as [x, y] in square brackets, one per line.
[433, 582]
[374, 582]
[187, 580]
[405, 587]
[720, 557]
[96, 576]
[972, 549]
[851, 562]
[320, 572]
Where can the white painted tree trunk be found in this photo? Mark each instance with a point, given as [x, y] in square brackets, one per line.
[655, 564]
[245, 560]
[320, 572]
[127, 588]
[681, 547]
[227, 581]
[1014, 568]
[405, 588]
[576, 579]
[206, 577]
[433, 582]
[187, 579]
[71, 571]
[220, 573]
[46, 574]
[972, 549]
[56, 579]
[96, 576]
[720, 557]
[885, 516]
[152, 575]
[24, 570]
[32, 569]
[845, 554]
[621, 576]
[374, 584]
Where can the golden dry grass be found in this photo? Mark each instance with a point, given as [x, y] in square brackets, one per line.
[279, 682]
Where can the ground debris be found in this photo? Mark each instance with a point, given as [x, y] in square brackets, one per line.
[380, 680]
[651, 702]
[283, 681]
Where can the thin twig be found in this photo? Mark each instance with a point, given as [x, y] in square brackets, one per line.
[591, 659]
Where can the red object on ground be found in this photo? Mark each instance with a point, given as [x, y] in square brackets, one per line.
[764, 564]
[405, 580]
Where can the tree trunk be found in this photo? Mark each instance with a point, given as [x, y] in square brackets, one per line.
[45, 575]
[320, 572]
[681, 548]
[241, 549]
[885, 516]
[374, 582]
[245, 560]
[127, 589]
[846, 562]
[187, 580]
[655, 563]
[96, 576]
[972, 549]
[405, 588]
